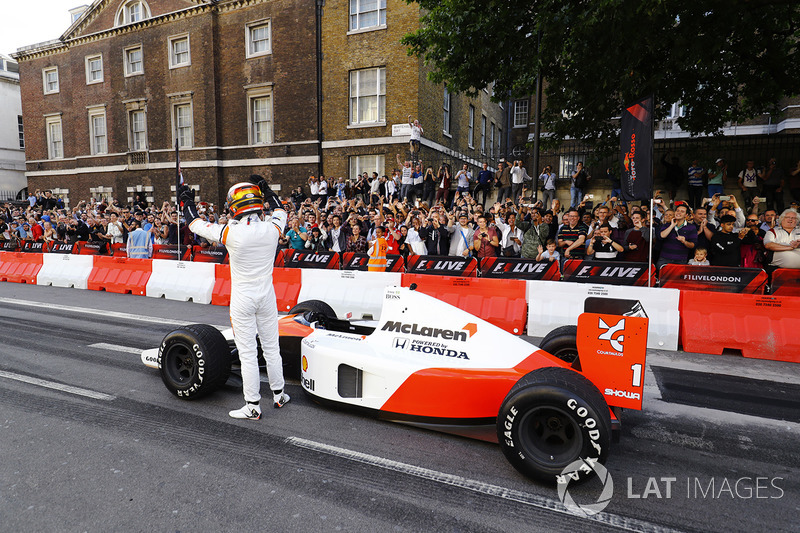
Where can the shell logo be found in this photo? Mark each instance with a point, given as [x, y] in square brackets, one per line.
[305, 363]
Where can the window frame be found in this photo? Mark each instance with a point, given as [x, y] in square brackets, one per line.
[45, 72]
[92, 113]
[21, 130]
[126, 60]
[248, 37]
[491, 139]
[175, 105]
[471, 127]
[131, 108]
[49, 121]
[446, 107]
[253, 95]
[87, 63]
[123, 18]
[358, 14]
[381, 98]
[170, 49]
[483, 134]
[355, 170]
[519, 103]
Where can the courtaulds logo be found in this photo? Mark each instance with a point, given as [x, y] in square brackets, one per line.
[616, 342]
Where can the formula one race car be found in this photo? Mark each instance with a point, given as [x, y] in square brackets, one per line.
[432, 365]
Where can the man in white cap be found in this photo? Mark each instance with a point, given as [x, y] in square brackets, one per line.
[252, 242]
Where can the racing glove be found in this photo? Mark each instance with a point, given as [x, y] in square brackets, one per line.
[186, 202]
[270, 198]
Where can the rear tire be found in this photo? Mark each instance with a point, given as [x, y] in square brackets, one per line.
[563, 343]
[194, 360]
[551, 418]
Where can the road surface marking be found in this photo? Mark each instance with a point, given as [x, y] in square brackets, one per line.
[100, 312]
[116, 348]
[621, 522]
[57, 386]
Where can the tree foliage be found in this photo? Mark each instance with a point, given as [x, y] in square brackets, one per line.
[725, 60]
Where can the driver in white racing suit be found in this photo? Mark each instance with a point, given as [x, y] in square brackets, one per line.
[252, 241]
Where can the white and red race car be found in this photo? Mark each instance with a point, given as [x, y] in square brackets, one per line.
[436, 366]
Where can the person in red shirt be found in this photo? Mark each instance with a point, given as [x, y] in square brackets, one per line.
[486, 239]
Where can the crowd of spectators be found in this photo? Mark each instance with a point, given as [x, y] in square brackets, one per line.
[487, 215]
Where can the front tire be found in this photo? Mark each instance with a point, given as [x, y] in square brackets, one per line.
[551, 418]
[194, 360]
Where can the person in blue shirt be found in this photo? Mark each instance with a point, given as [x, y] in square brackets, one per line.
[485, 178]
[297, 235]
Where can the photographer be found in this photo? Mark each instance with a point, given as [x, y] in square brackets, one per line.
[486, 239]
[601, 246]
[435, 234]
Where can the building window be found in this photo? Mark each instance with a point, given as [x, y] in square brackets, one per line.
[179, 51]
[366, 163]
[21, 132]
[499, 135]
[134, 63]
[137, 129]
[94, 69]
[491, 140]
[259, 38]
[259, 111]
[132, 11]
[366, 14]
[368, 96]
[446, 111]
[483, 134]
[55, 142]
[471, 127]
[50, 80]
[521, 113]
[676, 111]
[98, 136]
[183, 124]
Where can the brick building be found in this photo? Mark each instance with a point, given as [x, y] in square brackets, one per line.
[370, 85]
[237, 82]
[233, 80]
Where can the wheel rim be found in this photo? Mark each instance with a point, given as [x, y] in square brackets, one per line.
[568, 355]
[551, 436]
[180, 364]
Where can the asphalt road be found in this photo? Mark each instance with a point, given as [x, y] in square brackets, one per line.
[91, 440]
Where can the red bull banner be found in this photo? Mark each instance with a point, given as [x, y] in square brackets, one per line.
[354, 261]
[209, 254]
[446, 265]
[608, 272]
[636, 151]
[301, 259]
[785, 282]
[713, 278]
[517, 268]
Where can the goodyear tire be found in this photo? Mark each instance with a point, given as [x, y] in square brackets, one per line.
[563, 343]
[317, 311]
[194, 360]
[550, 419]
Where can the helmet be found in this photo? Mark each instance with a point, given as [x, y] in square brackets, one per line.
[244, 198]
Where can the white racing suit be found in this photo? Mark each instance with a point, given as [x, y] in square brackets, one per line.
[252, 244]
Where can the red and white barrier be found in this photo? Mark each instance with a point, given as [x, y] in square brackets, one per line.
[65, 270]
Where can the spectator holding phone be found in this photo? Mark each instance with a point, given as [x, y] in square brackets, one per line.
[717, 177]
[677, 238]
[486, 239]
[580, 179]
[601, 246]
[726, 245]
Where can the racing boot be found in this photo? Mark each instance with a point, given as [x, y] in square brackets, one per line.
[250, 411]
[280, 398]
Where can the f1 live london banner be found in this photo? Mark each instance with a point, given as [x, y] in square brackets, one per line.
[447, 265]
[636, 151]
[713, 278]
